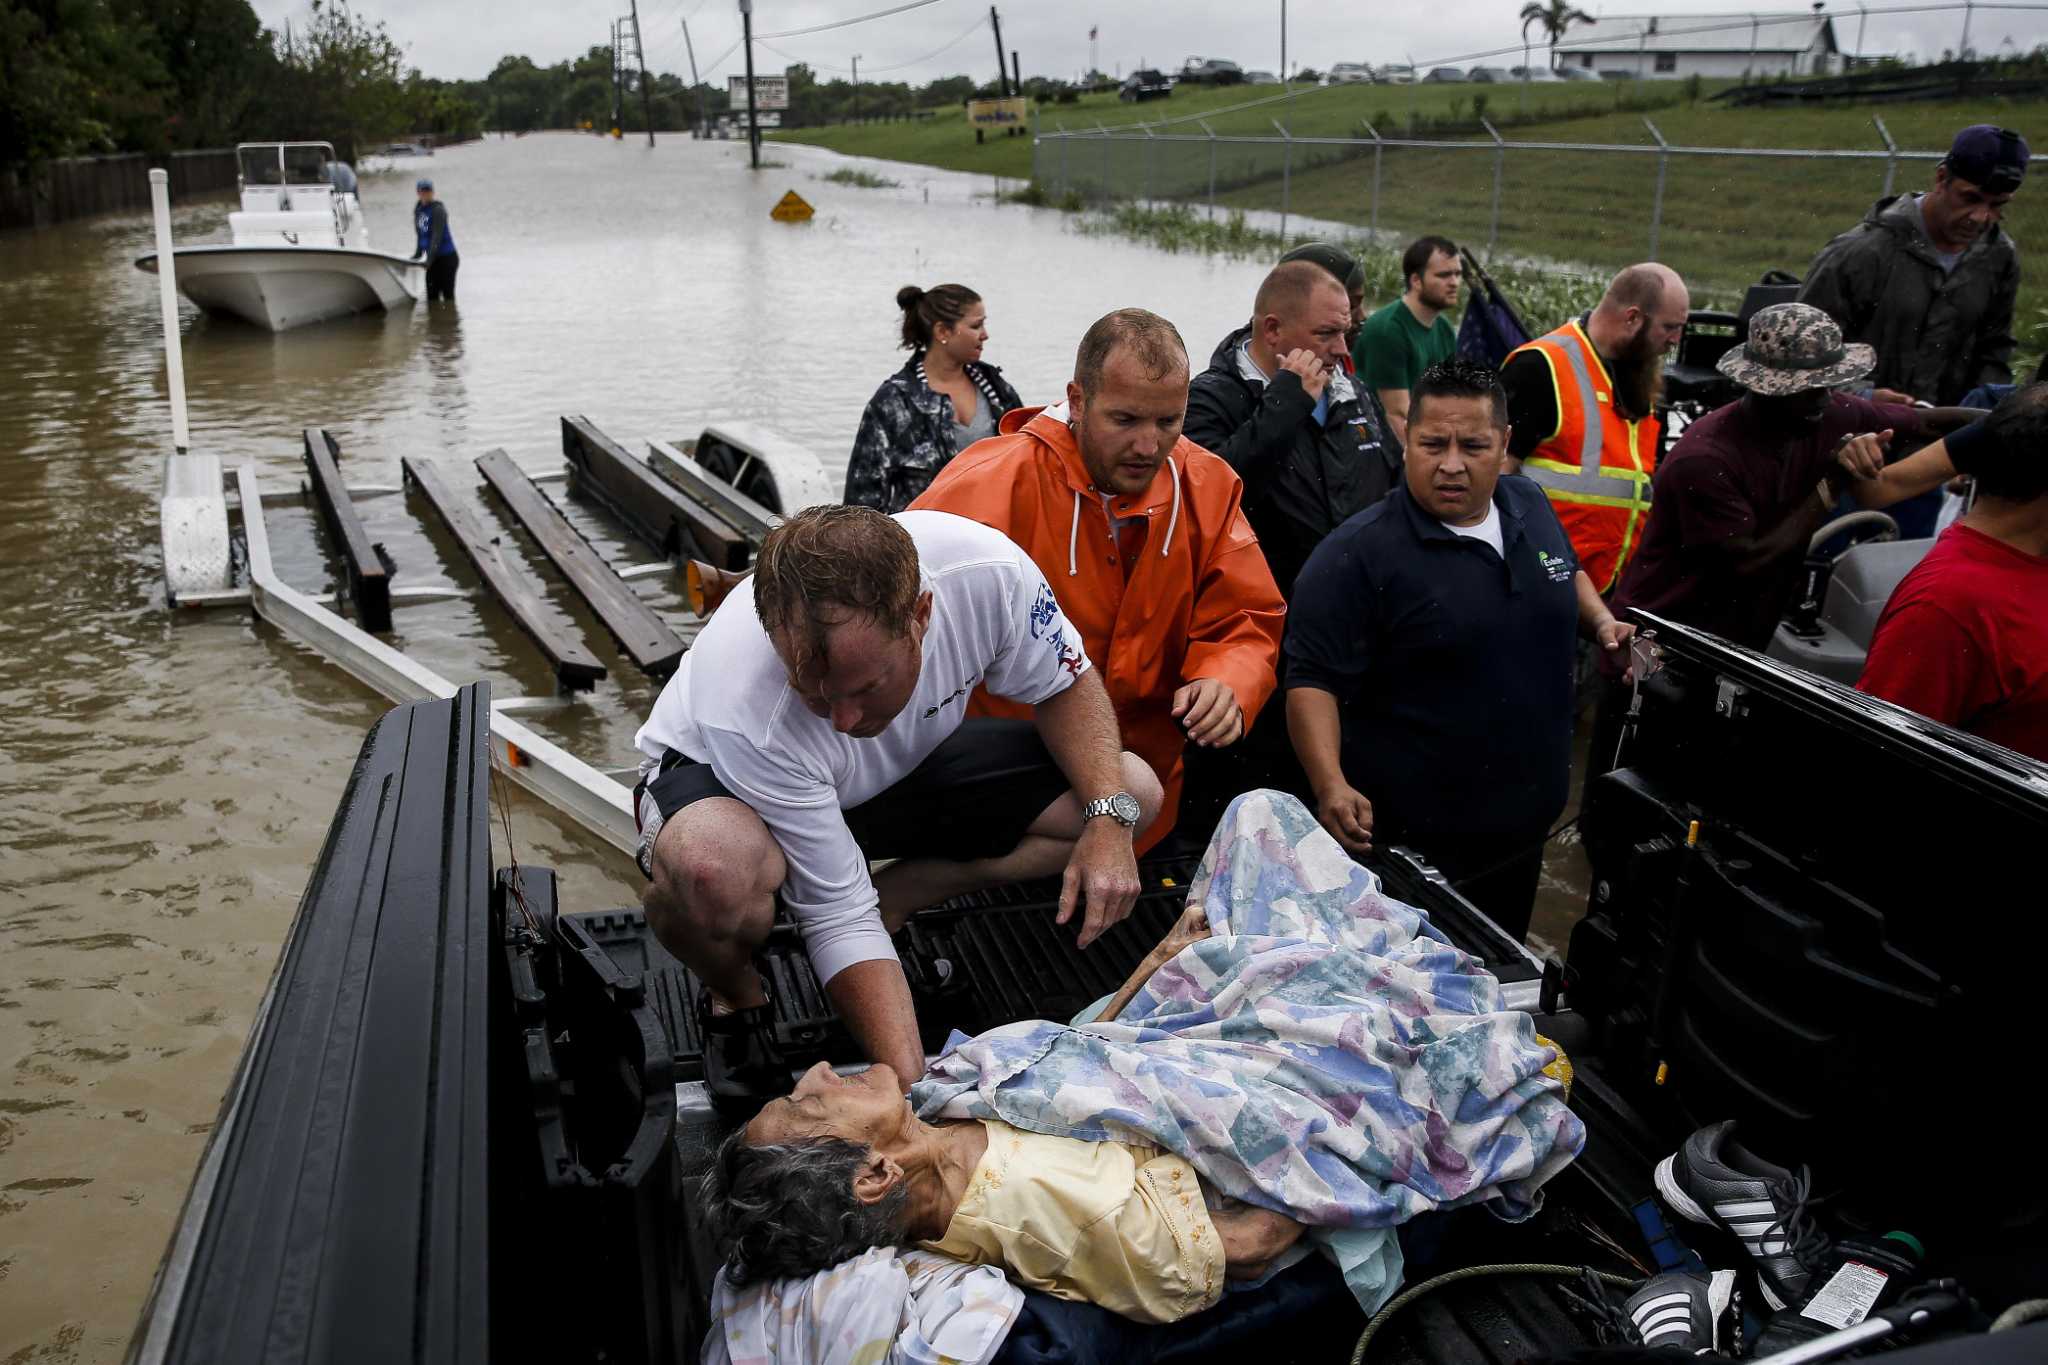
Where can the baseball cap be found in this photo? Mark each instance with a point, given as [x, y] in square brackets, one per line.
[423, 184]
[1988, 156]
[1334, 259]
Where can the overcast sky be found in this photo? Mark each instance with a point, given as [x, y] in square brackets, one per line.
[465, 38]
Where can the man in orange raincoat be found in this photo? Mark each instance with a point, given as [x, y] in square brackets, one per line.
[1140, 533]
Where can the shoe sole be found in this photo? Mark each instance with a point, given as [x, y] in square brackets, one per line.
[1682, 1204]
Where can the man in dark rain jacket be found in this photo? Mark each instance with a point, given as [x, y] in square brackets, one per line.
[1311, 446]
[1929, 279]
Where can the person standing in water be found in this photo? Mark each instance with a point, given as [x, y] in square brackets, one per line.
[943, 400]
[436, 244]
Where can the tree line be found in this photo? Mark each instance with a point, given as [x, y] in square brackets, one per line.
[87, 77]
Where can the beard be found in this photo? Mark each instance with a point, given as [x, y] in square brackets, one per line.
[1638, 377]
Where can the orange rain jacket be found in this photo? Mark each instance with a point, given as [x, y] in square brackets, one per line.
[1200, 601]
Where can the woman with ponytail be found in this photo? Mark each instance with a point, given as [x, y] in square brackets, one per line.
[942, 401]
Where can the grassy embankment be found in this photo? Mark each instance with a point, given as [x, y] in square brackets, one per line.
[1726, 219]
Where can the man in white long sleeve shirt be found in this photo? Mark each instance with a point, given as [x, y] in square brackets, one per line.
[817, 724]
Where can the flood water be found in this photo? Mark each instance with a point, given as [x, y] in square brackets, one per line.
[166, 780]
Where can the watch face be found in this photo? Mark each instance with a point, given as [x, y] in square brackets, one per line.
[1125, 807]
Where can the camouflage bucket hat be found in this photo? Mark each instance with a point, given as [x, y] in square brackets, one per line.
[1794, 347]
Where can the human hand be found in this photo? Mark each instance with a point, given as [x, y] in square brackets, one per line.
[1862, 456]
[1313, 372]
[1191, 927]
[1101, 877]
[1348, 816]
[1207, 709]
[1613, 636]
[1892, 396]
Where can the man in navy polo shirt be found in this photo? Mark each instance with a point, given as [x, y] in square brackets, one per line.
[1430, 656]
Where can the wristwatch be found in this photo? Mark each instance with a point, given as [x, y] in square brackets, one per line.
[1122, 808]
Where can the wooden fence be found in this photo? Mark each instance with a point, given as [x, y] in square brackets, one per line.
[80, 186]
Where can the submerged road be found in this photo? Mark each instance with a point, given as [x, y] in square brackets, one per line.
[166, 782]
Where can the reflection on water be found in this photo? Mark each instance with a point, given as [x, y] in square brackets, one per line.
[166, 783]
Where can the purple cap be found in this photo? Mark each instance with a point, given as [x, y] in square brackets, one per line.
[1989, 157]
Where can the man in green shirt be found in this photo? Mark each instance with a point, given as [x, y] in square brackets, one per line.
[1411, 334]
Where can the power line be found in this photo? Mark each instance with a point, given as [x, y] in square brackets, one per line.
[980, 22]
[848, 23]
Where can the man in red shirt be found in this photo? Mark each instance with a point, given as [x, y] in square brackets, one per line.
[1964, 639]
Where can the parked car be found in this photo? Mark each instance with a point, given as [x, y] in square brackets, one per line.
[1350, 73]
[1535, 75]
[1395, 73]
[1444, 75]
[1260, 78]
[1211, 71]
[1489, 75]
[1146, 84]
[1575, 73]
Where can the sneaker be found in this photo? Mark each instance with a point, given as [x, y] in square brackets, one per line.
[743, 1068]
[1686, 1309]
[1715, 1181]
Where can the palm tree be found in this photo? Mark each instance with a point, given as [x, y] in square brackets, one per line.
[1553, 17]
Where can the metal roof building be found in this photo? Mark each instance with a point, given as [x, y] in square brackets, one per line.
[1715, 46]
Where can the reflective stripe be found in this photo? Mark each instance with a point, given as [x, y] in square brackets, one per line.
[1591, 422]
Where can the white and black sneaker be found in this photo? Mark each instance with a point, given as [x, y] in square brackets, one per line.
[1686, 1309]
[1716, 1181]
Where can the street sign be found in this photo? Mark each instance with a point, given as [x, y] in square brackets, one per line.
[1010, 113]
[791, 208]
[770, 119]
[770, 92]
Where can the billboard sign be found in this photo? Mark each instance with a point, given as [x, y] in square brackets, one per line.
[770, 92]
[1010, 113]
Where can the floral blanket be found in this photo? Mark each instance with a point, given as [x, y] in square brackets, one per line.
[1324, 1053]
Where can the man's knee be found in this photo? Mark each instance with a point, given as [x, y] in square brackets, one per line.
[709, 887]
[1141, 782]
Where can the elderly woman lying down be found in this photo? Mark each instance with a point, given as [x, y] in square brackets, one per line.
[1301, 1056]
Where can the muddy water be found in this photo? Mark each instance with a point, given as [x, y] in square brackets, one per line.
[165, 781]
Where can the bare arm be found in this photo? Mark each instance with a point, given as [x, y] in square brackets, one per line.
[1596, 622]
[1317, 730]
[1395, 401]
[874, 999]
[1079, 726]
[1191, 927]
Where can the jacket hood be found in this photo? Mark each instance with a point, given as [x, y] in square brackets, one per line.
[1048, 427]
[1900, 216]
[1224, 357]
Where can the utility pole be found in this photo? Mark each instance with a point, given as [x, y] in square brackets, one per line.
[646, 95]
[695, 84]
[1002, 67]
[856, 87]
[1016, 73]
[615, 78]
[753, 120]
[1285, 80]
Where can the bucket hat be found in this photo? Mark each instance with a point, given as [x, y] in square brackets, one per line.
[1793, 347]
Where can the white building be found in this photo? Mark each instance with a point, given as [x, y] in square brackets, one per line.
[1712, 46]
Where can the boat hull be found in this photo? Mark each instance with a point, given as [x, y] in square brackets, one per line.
[280, 288]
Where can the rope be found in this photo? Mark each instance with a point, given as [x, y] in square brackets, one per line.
[1473, 1272]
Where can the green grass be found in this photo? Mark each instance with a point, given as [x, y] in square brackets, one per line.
[946, 140]
[866, 180]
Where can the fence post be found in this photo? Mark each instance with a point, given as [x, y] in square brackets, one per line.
[1657, 203]
[1151, 155]
[1212, 166]
[1500, 155]
[1373, 232]
[1063, 154]
[1103, 133]
[1286, 177]
[1891, 160]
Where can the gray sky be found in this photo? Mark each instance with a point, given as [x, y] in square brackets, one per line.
[465, 38]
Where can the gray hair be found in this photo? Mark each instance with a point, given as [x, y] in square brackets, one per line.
[788, 1208]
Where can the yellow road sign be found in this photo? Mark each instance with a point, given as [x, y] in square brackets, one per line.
[791, 208]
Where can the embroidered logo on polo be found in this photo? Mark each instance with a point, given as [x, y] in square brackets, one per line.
[1044, 612]
[1557, 566]
[957, 694]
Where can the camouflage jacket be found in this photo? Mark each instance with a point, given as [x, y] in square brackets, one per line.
[906, 435]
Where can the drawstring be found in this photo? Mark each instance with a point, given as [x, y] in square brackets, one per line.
[1173, 520]
[1165, 545]
[1074, 538]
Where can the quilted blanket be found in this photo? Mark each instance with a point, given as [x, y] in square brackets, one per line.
[1323, 1053]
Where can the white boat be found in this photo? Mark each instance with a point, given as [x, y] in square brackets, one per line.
[301, 250]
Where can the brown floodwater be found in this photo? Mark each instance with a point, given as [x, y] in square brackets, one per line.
[166, 779]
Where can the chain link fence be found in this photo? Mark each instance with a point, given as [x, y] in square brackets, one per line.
[1719, 215]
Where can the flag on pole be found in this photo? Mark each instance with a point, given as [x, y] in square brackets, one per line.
[1091, 35]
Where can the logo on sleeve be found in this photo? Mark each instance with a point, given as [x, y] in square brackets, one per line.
[1044, 612]
[1557, 566]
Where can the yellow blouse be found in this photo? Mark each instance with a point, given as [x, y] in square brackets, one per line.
[1109, 1223]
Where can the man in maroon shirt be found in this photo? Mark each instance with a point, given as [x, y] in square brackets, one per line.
[1964, 639]
[1745, 487]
